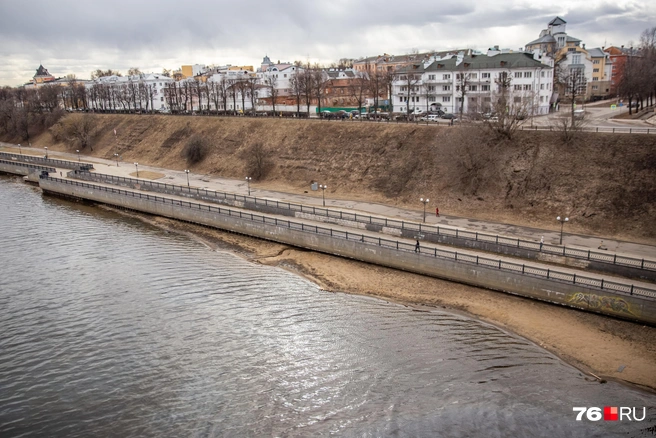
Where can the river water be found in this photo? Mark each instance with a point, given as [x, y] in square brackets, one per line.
[112, 327]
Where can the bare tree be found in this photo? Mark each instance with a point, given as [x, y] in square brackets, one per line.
[358, 87]
[507, 108]
[252, 90]
[318, 84]
[573, 82]
[134, 71]
[271, 83]
[296, 82]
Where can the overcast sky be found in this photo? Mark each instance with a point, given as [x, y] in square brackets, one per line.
[78, 37]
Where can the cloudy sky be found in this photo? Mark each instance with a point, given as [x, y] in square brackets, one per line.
[73, 36]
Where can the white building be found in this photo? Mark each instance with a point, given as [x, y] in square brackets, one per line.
[472, 83]
[144, 92]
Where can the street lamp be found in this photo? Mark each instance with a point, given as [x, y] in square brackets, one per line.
[248, 183]
[323, 187]
[78, 155]
[46, 148]
[136, 165]
[562, 222]
[116, 156]
[424, 201]
[187, 172]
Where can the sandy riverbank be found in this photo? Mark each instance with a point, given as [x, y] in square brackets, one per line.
[595, 344]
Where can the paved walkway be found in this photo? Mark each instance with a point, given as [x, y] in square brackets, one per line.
[124, 169]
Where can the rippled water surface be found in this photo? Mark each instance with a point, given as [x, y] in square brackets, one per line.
[110, 327]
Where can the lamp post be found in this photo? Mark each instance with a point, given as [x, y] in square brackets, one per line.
[248, 184]
[46, 148]
[78, 155]
[136, 165]
[116, 156]
[187, 172]
[424, 201]
[562, 222]
[323, 187]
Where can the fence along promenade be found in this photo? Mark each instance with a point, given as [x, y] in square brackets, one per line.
[516, 268]
[416, 227]
[63, 164]
[28, 165]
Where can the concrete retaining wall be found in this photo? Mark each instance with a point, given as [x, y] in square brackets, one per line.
[629, 307]
[500, 245]
[31, 171]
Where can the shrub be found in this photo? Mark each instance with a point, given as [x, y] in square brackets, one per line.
[195, 150]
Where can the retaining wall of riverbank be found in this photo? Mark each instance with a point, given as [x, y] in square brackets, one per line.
[371, 250]
[603, 261]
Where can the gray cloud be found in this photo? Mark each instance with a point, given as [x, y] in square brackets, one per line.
[77, 37]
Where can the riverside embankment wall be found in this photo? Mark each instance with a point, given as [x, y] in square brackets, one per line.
[632, 307]
[31, 171]
[579, 258]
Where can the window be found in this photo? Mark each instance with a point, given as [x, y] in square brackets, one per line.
[541, 99]
[561, 41]
[595, 79]
[403, 78]
[595, 87]
[576, 59]
[431, 99]
[595, 70]
[458, 76]
[572, 49]
[285, 75]
[446, 98]
[517, 99]
[518, 74]
[517, 87]
[485, 88]
[459, 99]
[485, 75]
[446, 87]
[527, 87]
[457, 87]
[404, 88]
[596, 61]
[528, 74]
[541, 86]
[446, 77]
[541, 74]
[431, 88]
[473, 88]
[431, 77]
[473, 75]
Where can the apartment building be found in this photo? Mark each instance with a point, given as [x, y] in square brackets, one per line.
[465, 84]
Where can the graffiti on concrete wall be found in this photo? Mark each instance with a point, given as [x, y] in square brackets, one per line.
[598, 302]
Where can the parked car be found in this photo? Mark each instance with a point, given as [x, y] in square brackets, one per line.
[449, 116]
[341, 114]
[579, 114]
[431, 118]
[405, 117]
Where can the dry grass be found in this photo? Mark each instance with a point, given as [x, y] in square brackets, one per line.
[606, 183]
[147, 174]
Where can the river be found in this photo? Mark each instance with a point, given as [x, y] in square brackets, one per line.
[113, 327]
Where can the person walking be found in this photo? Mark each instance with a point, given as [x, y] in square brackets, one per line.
[437, 212]
[417, 246]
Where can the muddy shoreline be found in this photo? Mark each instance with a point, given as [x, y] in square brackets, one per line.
[601, 347]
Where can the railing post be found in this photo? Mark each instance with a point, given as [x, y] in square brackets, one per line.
[574, 279]
[522, 266]
[499, 263]
[397, 245]
[615, 259]
[547, 274]
[588, 254]
[631, 289]
[602, 280]
[642, 265]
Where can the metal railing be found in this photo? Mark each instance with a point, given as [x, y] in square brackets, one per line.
[65, 164]
[30, 166]
[517, 268]
[609, 129]
[435, 230]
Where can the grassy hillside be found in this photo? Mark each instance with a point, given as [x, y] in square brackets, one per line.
[606, 183]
